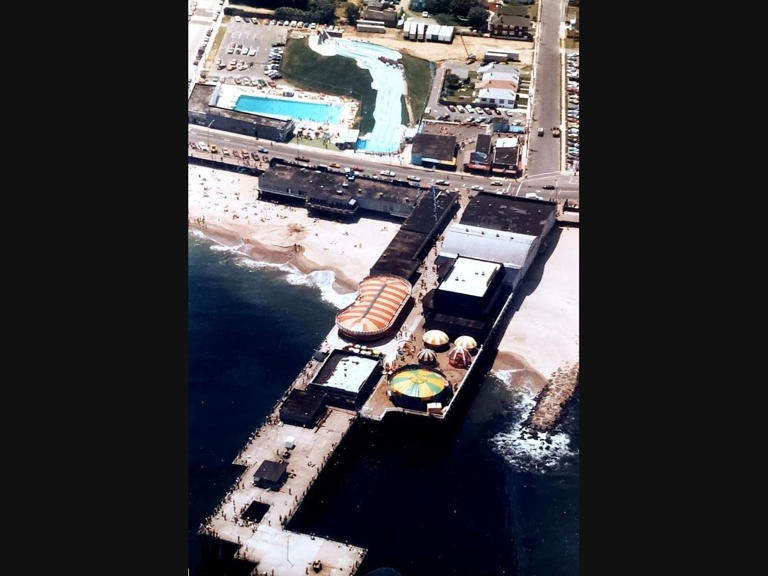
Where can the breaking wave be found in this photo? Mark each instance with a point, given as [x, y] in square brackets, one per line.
[523, 448]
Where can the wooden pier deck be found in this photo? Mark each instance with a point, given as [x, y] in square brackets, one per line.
[267, 543]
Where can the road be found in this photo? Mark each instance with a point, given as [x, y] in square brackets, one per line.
[373, 164]
[545, 151]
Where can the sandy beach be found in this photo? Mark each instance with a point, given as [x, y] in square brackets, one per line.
[225, 207]
[543, 334]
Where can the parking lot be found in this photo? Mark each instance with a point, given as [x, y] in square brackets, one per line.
[572, 114]
[257, 37]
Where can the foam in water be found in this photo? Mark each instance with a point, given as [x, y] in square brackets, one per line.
[517, 446]
[321, 279]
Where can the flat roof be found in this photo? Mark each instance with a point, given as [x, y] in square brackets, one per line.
[506, 156]
[508, 248]
[437, 146]
[270, 471]
[508, 213]
[399, 257]
[199, 102]
[345, 371]
[483, 143]
[422, 219]
[326, 184]
[470, 276]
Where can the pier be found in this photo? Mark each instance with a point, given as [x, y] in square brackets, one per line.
[349, 373]
[266, 543]
[552, 398]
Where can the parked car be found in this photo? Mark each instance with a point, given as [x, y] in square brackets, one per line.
[214, 149]
[387, 173]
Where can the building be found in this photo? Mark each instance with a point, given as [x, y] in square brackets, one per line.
[496, 96]
[325, 190]
[202, 111]
[271, 475]
[497, 85]
[377, 310]
[437, 150]
[480, 159]
[387, 17]
[506, 155]
[303, 408]
[521, 10]
[347, 378]
[347, 139]
[507, 26]
[503, 229]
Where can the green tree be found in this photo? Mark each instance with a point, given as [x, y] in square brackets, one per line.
[462, 7]
[352, 11]
[452, 81]
[478, 18]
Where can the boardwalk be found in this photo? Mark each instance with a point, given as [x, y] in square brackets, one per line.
[267, 543]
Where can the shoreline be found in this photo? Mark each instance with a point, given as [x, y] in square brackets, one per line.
[542, 335]
[225, 207]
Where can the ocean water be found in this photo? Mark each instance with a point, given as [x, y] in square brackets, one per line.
[473, 497]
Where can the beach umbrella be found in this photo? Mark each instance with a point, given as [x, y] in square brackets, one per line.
[418, 383]
[427, 356]
[466, 342]
[435, 338]
[459, 357]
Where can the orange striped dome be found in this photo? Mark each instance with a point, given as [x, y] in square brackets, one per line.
[377, 306]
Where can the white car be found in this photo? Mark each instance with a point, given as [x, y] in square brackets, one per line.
[238, 19]
[387, 173]
[252, 52]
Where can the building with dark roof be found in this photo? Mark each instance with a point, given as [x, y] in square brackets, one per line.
[510, 26]
[326, 190]
[202, 110]
[503, 229]
[404, 254]
[434, 150]
[389, 17]
[510, 214]
[270, 475]
[303, 407]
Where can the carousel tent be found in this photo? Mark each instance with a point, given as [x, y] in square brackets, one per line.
[418, 385]
[466, 342]
[460, 357]
[381, 300]
[435, 338]
[427, 356]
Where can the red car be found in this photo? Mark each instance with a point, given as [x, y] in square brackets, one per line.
[357, 169]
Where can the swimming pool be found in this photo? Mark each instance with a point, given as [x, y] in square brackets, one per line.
[297, 109]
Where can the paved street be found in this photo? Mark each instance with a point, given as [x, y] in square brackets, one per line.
[370, 164]
[545, 151]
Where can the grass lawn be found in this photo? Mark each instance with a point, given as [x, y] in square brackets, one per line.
[331, 75]
[215, 47]
[445, 19]
[314, 142]
[418, 77]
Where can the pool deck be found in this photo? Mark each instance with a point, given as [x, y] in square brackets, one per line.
[229, 95]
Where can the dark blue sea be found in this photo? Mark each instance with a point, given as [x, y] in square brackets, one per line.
[468, 498]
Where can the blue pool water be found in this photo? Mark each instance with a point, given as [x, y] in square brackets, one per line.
[296, 109]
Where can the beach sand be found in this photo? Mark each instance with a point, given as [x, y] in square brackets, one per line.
[268, 232]
[543, 334]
